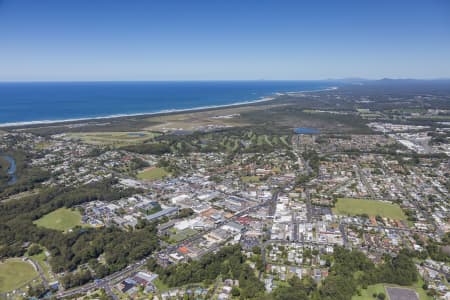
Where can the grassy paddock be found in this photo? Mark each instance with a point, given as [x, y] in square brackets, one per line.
[350, 206]
[61, 219]
[14, 273]
[152, 174]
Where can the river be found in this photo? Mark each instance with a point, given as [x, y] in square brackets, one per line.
[11, 170]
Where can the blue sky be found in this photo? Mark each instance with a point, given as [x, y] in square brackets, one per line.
[223, 39]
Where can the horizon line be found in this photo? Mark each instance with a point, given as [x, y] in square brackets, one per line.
[223, 80]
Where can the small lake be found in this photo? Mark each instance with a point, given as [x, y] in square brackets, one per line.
[304, 130]
[12, 169]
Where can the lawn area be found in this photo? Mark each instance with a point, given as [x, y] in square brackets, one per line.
[152, 174]
[182, 235]
[348, 206]
[61, 219]
[366, 294]
[14, 273]
[250, 179]
[422, 293]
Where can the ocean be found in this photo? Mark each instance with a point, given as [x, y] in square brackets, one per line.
[34, 102]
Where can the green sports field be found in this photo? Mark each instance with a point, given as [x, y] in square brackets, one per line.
[352, 207]
[152, 174]
[61, 219]
[250, 179]
[14, 273]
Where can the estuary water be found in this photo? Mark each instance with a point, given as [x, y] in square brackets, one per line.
[12, 169]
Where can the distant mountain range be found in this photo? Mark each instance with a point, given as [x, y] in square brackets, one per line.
[391, 81]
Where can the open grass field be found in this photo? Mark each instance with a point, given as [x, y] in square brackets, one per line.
[182, 235]
[14, 273]
[250, 179]
[117, 139]
[152, 174]
[422, 293]
[351, 207]
[61, 219]
[42, 145]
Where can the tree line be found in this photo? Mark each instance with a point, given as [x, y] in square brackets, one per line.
[227, 262]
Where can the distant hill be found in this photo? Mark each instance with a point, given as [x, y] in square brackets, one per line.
[388, 80]
[348, 80]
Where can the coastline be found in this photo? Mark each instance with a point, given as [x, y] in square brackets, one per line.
[273, 97]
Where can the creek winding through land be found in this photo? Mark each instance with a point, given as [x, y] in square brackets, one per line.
[12, 169]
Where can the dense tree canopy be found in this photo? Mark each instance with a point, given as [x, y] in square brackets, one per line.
[228, 262]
